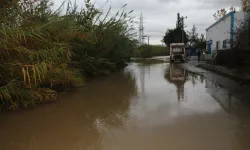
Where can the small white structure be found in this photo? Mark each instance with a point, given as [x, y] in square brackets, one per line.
[219, 34]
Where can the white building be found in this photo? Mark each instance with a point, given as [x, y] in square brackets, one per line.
[219, 34]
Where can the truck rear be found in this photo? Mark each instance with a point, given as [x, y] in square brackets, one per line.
[177, 52]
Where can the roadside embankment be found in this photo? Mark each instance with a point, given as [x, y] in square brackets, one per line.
[240, 74]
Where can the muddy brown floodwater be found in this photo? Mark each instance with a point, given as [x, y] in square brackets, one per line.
[143, 107]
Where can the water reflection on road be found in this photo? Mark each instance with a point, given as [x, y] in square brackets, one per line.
[144, 107]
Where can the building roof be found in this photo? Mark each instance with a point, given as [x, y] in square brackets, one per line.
[221, 19]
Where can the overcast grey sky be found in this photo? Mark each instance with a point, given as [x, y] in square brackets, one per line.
[160, 15]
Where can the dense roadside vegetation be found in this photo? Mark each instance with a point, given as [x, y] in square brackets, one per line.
[43, 51]
[147, 51]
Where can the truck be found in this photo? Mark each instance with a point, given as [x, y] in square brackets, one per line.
[177, 52]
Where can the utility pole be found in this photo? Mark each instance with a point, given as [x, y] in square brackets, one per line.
[183, 25]
[162, 41]
[146, 36]
[141, 30]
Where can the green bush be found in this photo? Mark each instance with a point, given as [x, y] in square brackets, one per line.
[147, 51]
[44, 51]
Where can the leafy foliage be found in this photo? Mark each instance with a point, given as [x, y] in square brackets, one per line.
[193, 35]
[244, 4]
[242, 34]
[195, 40]
[201, 42]
[104, 44]
[175, 36]
[179, 22]
[42, 51]
[146, 51]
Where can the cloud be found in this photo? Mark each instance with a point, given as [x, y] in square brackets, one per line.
[159, 15]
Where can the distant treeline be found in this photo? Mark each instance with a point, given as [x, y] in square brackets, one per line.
[146, 51]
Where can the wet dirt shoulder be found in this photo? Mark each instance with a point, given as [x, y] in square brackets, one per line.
[234, 86]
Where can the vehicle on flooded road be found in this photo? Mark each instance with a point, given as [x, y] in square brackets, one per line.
[177, 52]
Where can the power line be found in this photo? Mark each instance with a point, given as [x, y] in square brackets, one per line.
[199, 7]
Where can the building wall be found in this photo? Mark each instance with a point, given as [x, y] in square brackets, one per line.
[221, 30]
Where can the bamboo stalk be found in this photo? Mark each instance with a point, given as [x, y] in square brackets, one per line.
[28, 75]
[34, 73]
[24, 76]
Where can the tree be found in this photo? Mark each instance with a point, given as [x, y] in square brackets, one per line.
[202, 37]
[179, 22]
[242, 34]
[195, 40]
[222, 12]
[219, 14]
[244, 4]
[175, 35]
[193, 35]
[201, 42]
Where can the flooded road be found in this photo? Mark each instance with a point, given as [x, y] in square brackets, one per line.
[143, 107]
